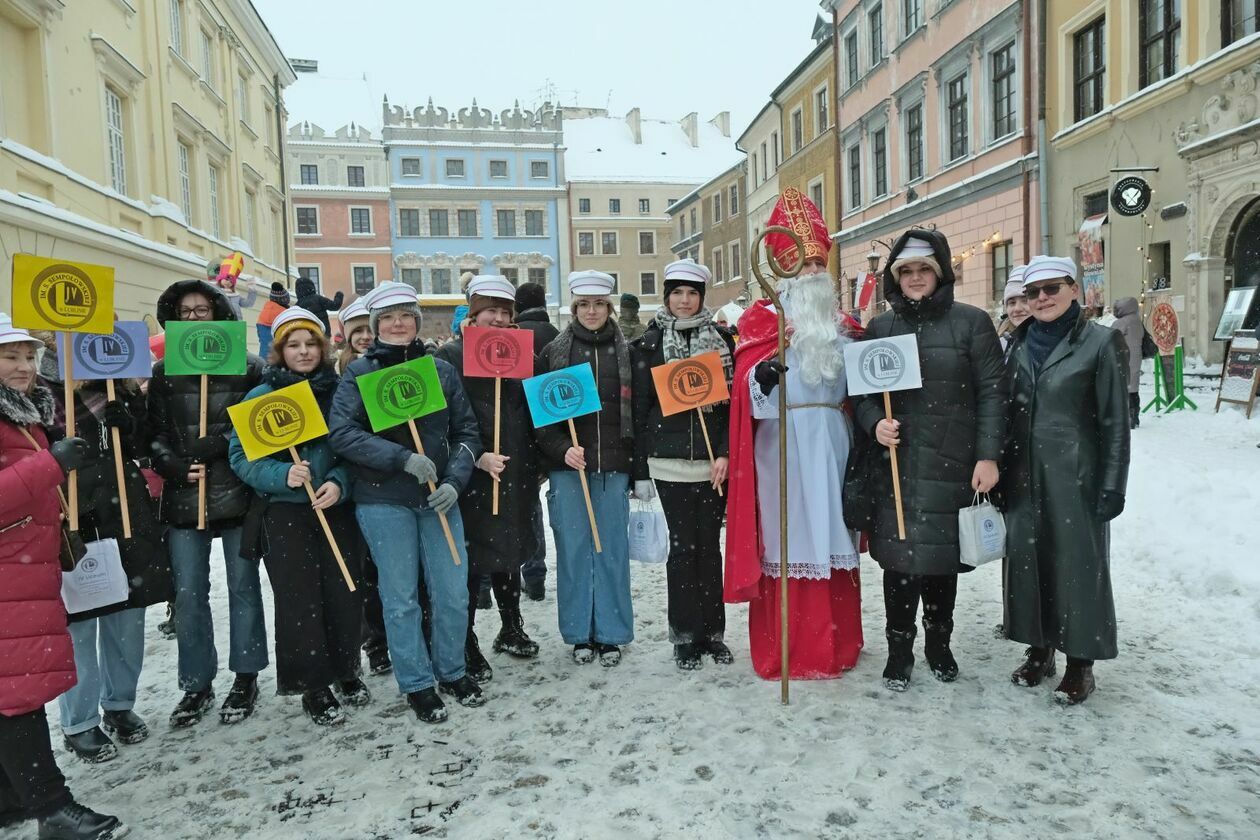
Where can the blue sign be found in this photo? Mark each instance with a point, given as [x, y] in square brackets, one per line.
[122, 354]
[562, 394]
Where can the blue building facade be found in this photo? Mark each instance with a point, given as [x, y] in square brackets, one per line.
[476, 191]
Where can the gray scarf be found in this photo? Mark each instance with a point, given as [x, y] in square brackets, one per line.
[705, 339]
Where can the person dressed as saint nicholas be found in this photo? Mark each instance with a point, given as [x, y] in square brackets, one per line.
[824, 612]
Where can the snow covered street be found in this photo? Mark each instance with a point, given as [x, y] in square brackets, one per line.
[1169, 746]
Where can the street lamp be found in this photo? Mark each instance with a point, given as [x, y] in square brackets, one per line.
[872, 261]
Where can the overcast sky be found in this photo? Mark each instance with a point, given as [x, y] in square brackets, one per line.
[660, 55]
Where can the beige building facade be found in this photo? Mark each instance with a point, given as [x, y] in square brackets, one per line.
[709, 227]
[142, 134]
[764, 152]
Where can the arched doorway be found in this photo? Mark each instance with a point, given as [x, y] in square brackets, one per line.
[1242, 254]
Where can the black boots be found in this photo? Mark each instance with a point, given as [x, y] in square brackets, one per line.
[72, 821]
[475, 665]
[1077, 684]
[126, 726]
[720, 652]
[241, 700]
[1038, 664]
[322, 708]
[465, 691]
[900, 658]
[512, 639]
[687, 656]
[192, 707]
[936, 649]
[426, 704]
[93, 746]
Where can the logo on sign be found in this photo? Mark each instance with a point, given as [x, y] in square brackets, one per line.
[205, 347]
[401, 394]
[690, 382]
[881, 365]
[63, 295]
[497, 354]
[104, 355]
[277, 422]
[561, 395]
[1131, 196]
[88, 564]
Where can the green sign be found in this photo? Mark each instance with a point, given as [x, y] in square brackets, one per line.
[400, 393]
[211, 347]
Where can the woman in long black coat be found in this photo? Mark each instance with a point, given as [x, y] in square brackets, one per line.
[1064, 473]
[497, 544]
[949, 436]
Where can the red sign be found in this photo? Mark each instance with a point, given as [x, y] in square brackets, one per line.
[492, 352]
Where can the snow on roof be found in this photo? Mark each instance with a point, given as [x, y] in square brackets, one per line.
[602, 148]
[330, 101]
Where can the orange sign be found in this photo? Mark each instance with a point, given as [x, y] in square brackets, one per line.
[690, 383]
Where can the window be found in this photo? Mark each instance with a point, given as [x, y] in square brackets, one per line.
[671, 202]
[816, 194]
[764, 163]
[719, 276]
[1094, 204]
[354, 176]
[586, 244]
[851, 69]
[360, 220]
[614, 206]
[207, 58]
[411, 276]
[1000, 263]
[411, 166]
[310, 272]
[645, 205]
[735, 255]
[879, 153]
[408, 221]
[498, 169]
[538, 275]
[117, 136]
[212, 189]
[364, 278]
[821, 115]
[1238, 20]
[506, 220]
[717, 208]
[914, 142]
[1090, 69]
[242, 99]
[647, 242]
[439, 223]
[250, 222]
[584, 205]
[177, 26]
[778, 150]
[682, 228]
[956, 97]
[467, 222]
[184, 154]
[733, 204]
[911, 15]
[308, 220]
[539, 169]
[454, 168]
[441, 279]
[608, 242]
[512, 275]
[755, 171]
[534, 223]
[309, 173]
[647, 282]
[269, 117]
[855, 176]
[695, 227]
[798, 130]
[1159, 25]
[875, 25]
[1004, 91]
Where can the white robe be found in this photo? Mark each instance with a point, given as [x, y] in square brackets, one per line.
[818, 441]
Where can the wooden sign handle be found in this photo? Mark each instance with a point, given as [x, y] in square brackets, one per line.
[72, 478]
[446, 526]
[704, 428]
[116, 439]
[323, 522]
[498, 397]
[896, 474]
[586, 492]
[201, 427]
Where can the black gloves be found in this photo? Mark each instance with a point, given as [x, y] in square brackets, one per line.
[767, 374]
[70, 453]
[117, 417]
[1110, 505]
[210, 448]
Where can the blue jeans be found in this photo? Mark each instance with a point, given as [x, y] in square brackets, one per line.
[108, 653]
[194, 627]
[592, 590]
[535, 567]
[403, 541]
[264, 339]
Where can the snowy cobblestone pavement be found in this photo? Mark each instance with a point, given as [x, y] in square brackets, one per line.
[1169, 747]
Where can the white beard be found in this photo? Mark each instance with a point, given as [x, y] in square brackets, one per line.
[813, 313]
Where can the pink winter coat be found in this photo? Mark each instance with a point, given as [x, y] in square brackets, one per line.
[36, 657]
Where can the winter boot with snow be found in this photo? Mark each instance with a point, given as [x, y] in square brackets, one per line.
[720, 652]
[535, 590]
[354, 692]
[378, 661]
[465, 691]
[936, 649]
[93, 746]
[241, 700]
[475, 665]
[428, 707]
[1077, 683]
[73, 821]
[167, 627]
[125, 725]
[609, 655]
[512, 639]
[1038, 664]
[321, 706]
[584, 654]
[192, 707]
[688, 657]
[900, 658]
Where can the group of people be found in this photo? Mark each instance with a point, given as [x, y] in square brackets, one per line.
[1041, 425]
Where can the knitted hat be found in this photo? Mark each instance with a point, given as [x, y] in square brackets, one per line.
[10, 334]
[390, 296]
[279, 294]
[629, 301]
[1045, 268]
[915, 250]
[530, 296]
[687, 273]
[1014, 283]
[294, 318]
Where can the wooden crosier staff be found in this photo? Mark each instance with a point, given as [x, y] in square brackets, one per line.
[781, 318]
[118, 464]
[446, 526]
[586, 492]
[323, 521]
[201, 482]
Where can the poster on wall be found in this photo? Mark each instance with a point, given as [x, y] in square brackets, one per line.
[1093, 262]
[1237, 305]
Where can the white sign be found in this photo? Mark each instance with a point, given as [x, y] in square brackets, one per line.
[98, 580]
[883, 364]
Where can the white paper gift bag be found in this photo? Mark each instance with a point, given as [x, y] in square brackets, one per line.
[981, 533]
[98, 580]
[649, 535]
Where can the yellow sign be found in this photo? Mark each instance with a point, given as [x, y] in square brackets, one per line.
[277, 420]
[60, 295]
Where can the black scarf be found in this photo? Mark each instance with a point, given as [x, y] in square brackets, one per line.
[393, 354]
[323, 382]
[1044, 337]
[35, 408]
[558, 355]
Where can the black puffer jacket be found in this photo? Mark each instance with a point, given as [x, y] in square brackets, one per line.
[678, 435]
[174, 422]
[957, 418]
[312, 301]
[538, 322]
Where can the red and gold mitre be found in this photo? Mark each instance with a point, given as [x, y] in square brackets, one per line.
[797, 212]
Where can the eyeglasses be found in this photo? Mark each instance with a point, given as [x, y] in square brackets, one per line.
[1051, 289]
[194, 311]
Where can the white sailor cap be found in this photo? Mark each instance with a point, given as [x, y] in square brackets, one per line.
[688, 271]
[492, 285]
[352, 311]
[1044, 268]
[389, 293]
[591, 282]
[10, 334]
[1014, 283]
